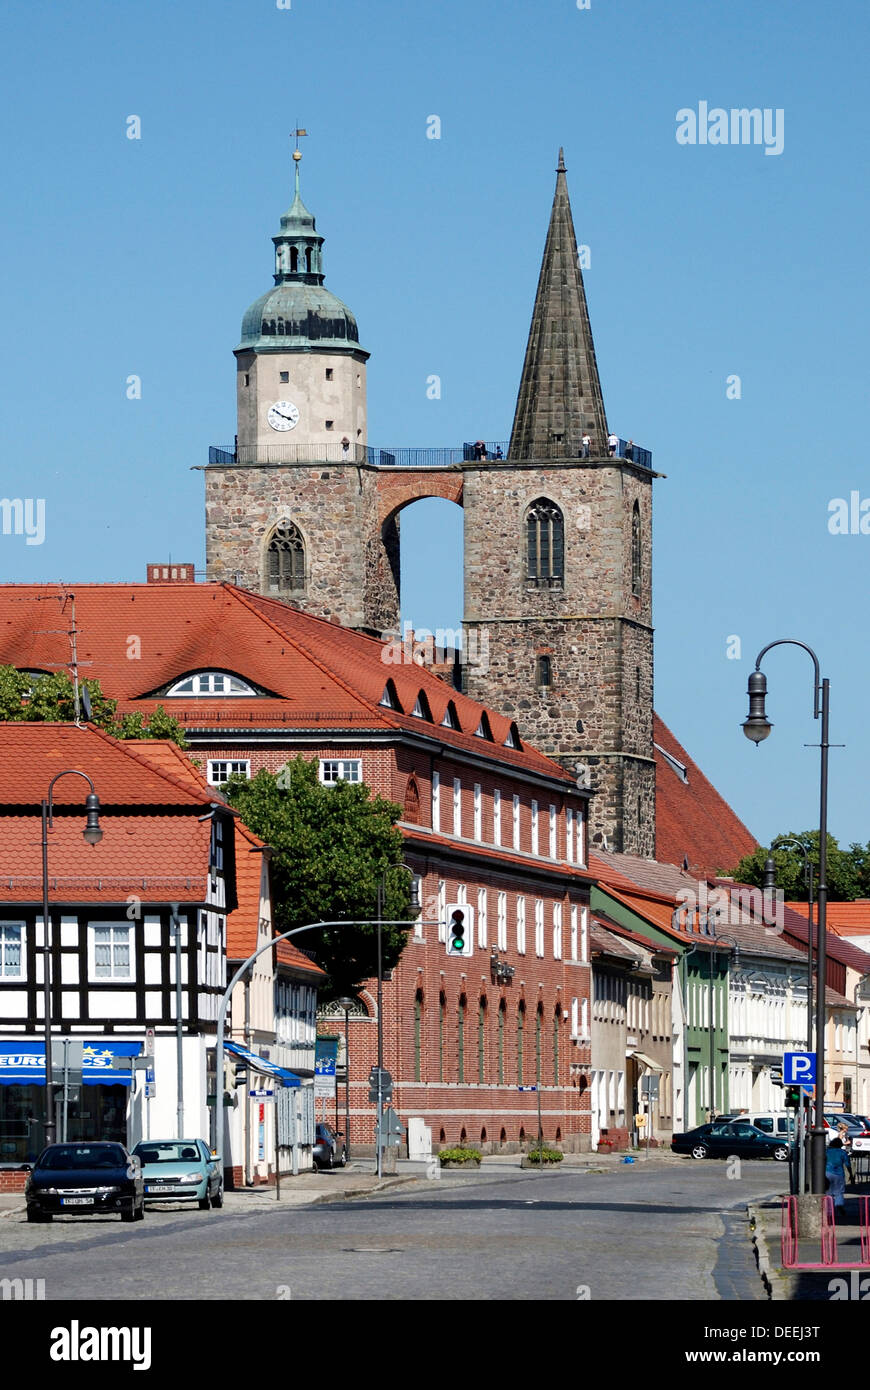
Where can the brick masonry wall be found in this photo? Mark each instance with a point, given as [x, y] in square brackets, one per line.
[12, 1180]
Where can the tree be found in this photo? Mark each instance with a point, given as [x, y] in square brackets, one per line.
[331, 847]
[51, 699]
[848, 870]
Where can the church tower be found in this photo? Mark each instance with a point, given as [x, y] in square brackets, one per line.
[285, 513]
[558, 578]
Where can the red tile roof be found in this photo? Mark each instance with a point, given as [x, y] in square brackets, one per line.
[692, 819]
[140, 638]
[846, 919]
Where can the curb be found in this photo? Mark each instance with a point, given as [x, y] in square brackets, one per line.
[770, 1272]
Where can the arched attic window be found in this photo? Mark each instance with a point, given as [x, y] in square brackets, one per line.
[483, 729]
[545, 545]
[285, 559]
[421, 708]
[451, 718]
[513, 738]
[635, 549]
[390, 697]
[211, 683]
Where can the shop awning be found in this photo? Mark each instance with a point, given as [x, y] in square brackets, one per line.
[23, 1063]
[649, 1062]
[260, 1064]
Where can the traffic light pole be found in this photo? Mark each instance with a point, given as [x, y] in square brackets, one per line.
[379, 1144]
[223, 1008]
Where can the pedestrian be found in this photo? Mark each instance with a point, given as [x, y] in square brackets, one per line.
[498, 452]
[836, 1163]
[612, 444]
[629, 450]
[586, 441]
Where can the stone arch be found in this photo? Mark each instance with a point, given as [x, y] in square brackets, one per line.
[391, 490]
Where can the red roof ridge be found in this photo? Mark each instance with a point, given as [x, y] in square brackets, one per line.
[127, 745]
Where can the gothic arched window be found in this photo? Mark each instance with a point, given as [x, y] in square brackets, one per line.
[294, 260]
[545, 544]
[635, 549]
[285, 560]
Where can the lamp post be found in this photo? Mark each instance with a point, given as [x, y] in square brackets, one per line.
[757, 727]
[769, 885]
[92, 835]
[347, 1005]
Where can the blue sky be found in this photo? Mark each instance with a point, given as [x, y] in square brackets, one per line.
[126, 257]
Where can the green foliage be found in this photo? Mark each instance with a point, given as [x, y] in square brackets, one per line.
[51, 699]
[332, 845]
[459, 1156]
[545, 1155]
[848, 869]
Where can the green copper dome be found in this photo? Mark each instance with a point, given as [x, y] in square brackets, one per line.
[299, 314]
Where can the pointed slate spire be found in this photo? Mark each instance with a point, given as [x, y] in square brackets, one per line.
[560, 394]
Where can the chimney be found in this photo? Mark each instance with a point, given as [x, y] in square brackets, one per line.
[171, 574]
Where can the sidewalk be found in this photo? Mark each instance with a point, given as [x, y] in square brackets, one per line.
[788, 1285]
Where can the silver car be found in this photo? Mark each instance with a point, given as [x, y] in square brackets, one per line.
[180, 1170]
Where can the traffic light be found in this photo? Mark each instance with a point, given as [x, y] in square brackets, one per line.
[460, 929]
[240, 1074]
[792, 1097]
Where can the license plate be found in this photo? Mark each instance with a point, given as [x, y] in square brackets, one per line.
[158, 1190]
[77, 1201]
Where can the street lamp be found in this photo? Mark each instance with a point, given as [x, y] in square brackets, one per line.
[347, 1005]
[92, 835]
[757, 727]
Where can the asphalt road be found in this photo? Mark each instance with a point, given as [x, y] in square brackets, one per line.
[675, 1232]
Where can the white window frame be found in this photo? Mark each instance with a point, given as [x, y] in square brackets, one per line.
[569, 834]
[496, 816]
[516, 821]
[575, 1017]
[236, 765]
[539, 926]
[418, 893]
[584, 935]
[574, 940]
[354, 765]
[553, 840]
[580, 827]
[442, 909]
[535, 849]
[436, 801]
[557, 931]
[112, 978]
[584, 1018]
[204, 682]
[19, 976]
[521, 923]
[478, 811]
[457, 806]
[481, 917]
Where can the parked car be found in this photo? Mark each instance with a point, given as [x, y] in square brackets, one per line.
[329, 1147]
[778, 1122]
[854, 1123]
[180, 1170]
[737, 1139]
[83, 1180]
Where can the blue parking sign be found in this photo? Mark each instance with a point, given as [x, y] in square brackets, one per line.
[799, 1068]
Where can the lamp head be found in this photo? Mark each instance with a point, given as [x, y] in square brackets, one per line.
[757, 726]
[92, 832]
[768, 881]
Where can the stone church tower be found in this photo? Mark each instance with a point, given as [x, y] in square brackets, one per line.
[558, 564]
[557, 533]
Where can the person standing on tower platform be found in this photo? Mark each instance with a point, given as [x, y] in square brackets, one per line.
[586, 441]
[612, 444]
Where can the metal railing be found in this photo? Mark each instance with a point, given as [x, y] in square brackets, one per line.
[373, 456]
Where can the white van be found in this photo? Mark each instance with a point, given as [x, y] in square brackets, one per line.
[776, 1122]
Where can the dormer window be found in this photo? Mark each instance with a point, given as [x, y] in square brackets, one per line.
[451, 718]
[211, 683]
[421, 708]
[390, 698]
[513, 738]
[483, 730]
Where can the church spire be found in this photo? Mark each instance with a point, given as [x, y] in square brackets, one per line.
[298, 248]
[559, 399]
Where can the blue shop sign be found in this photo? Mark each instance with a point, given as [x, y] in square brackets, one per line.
[23, 1063]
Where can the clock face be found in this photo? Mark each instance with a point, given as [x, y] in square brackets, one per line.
[283, 415]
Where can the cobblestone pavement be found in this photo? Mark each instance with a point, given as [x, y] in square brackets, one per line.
[670, 1231]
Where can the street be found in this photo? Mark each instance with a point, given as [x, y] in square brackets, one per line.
[676, 1231]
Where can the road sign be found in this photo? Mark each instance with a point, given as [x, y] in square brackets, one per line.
[262, 1095]
[799, 1068]
[386, 1088]
[649, 1086]
[527, 1088]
